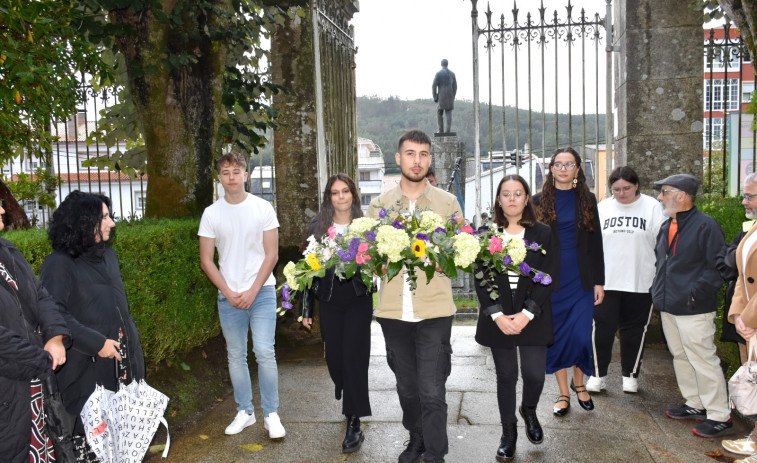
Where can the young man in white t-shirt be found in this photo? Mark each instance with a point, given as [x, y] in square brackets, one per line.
[244, 229]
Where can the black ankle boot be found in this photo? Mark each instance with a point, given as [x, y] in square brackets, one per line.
[506, 449]
[354, 437]
[533, 428]
[414, 450]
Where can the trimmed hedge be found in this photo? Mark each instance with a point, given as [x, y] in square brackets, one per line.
[171, 299]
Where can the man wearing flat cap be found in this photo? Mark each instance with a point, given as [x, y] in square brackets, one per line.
[684, 290]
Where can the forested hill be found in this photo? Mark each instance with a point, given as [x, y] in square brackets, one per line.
[384, 121]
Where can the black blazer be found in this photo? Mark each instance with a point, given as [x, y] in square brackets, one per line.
[323, 287]
[534, 297]
[591, 257]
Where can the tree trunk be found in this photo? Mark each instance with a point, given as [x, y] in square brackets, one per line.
[15, 217]
[178, 107]
[743, 13]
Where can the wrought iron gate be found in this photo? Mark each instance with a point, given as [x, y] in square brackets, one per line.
[545, 40]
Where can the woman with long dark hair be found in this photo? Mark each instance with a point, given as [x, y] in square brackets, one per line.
[519, 321]
[346, 311]
[27, 357]
[83, 274]
[566, 204]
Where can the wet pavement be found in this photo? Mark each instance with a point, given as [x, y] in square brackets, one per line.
[622, 428]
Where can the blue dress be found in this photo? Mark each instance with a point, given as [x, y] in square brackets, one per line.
[572, 307]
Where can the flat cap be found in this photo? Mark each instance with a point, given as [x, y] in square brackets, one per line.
[684, 182]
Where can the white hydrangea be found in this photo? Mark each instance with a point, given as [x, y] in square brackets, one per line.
[289, 273]
[390, 242]
[466, 249]
[360, 225]
[516, 249]
[430, 221]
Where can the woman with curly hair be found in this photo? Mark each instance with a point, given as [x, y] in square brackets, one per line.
[346, 309]
[83, 274]
[566, 204]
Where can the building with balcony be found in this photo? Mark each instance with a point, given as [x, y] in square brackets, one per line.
[370, 163]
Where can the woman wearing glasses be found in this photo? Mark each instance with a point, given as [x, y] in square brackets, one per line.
[567, 205]
[519, 321]
[630, 222]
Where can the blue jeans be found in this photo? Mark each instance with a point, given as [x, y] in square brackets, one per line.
[236, 324]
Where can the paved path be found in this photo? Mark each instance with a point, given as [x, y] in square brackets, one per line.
[622, 428]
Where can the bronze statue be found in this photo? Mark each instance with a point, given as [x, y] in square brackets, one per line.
[444, 89]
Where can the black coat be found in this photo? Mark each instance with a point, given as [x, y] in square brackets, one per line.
[589, 248]
[534, 297]
[29, 318]
[91, 290]
[726, 264]
[322, 287]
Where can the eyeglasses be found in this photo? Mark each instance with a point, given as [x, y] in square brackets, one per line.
[670, 191]
[745, 197]
[514, 195]
[561, 166]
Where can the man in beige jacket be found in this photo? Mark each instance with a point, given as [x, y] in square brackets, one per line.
[417, 324]
[743, 311]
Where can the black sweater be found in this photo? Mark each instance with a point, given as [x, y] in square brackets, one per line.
[91, 290]
[29, 318]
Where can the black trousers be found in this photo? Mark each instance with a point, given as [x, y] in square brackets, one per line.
[420, 355]
[533, 361]
[346, 330]
[628, 313]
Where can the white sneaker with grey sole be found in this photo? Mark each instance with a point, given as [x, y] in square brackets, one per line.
[595, 384]
[241, 421]
[630, 384]
[273, 424]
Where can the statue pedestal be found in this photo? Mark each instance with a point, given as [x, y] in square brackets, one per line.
[445, 134]
[446, 148]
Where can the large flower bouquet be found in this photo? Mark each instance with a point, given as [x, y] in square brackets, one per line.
[500, 254]
[422, 241]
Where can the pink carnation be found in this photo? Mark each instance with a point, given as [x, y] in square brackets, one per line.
[362, 248]
[331, 232]
[467, 229]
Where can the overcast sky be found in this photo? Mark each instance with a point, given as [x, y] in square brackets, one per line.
[401, 43]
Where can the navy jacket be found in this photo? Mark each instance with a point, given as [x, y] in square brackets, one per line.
[686, 279]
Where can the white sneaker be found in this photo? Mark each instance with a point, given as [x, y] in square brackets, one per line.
[749, 459]
[595, 384]
[273, 424]
[630, 384]
[745, 446]
[241, 421]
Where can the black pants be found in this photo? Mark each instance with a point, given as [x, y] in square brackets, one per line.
[346, 329]
[533, 361]
[420, 355]
[629, 313]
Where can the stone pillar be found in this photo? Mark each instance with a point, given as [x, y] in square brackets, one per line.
[658, 79]
[445, 150]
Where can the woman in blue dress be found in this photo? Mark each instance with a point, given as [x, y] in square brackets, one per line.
[567, 205]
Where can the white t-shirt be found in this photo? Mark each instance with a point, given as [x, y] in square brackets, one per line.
[629, 234]
[238, 231]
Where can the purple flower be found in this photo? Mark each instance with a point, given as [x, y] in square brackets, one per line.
[422, 236]
[441, 230]
[353, 245]
[508, 260]
[370, 236]
[546, 280]
[538, 277]
[398, 224]
[457, 231]
[382, 212]
[287, 305]
[526, 242]
[525, 268]
[534, 246]
[346, 256]
[285, 292]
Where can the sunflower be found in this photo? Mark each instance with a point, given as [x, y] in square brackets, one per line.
[419, 248]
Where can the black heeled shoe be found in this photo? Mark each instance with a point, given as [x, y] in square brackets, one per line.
[534, 432]
[354, 437]
[506, 450]
[585, 404]
[561, 411]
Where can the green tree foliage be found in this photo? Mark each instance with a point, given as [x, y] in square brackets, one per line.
[39, 187]
[384, 121]
[43, 55]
